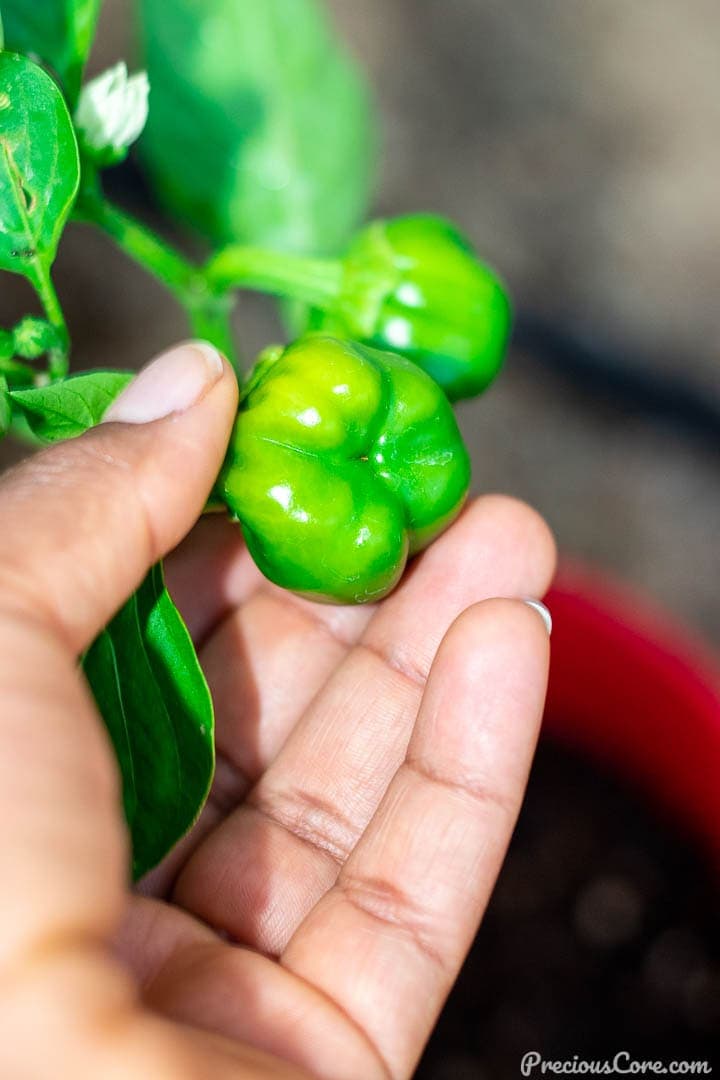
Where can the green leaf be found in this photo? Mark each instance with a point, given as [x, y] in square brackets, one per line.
[39, 167]
[5, 408]
[68, 407]
[153, 697]
[7, 345]
[59, 33]
[260, 128]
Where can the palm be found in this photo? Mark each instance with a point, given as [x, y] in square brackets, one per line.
[352, 837]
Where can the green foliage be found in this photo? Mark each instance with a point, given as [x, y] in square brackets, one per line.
[5, 407]
[39, 167]
[7, 345]
[260, 127]
[149, 686]
[57, 32]
[66, 408]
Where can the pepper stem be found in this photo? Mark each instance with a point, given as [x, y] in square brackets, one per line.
[205, 292]
[209, 319]
[208, 312]
[297, 277]
[157, 257]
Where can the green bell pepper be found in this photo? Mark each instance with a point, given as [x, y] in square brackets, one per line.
[414, 285]
[344, 461]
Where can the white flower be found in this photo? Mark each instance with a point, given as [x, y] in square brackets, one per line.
[111, 112]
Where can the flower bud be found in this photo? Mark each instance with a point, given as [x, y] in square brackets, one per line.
[414, 285]
[34, 336]
[111, 113]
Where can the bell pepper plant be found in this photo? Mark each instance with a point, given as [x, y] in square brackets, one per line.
[256, 133]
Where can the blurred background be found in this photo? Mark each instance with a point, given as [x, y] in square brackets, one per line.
[579, 147]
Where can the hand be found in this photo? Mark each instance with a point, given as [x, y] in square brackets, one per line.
[371, 766]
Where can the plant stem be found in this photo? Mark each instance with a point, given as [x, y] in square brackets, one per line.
[205, 292]
[14, 369]
[208, 312]
[297, 277]
[156, 256]
[210, 321]
[42, 283]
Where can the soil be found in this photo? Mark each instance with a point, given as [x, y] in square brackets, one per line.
[602, 935]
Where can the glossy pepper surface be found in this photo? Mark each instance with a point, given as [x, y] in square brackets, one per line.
[343, 462]
[414, 285]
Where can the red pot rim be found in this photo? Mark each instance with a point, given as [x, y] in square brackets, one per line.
[640, 693]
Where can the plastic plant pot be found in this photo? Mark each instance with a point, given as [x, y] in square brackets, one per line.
[639, 693]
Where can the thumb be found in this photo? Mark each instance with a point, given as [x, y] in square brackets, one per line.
[83, 522]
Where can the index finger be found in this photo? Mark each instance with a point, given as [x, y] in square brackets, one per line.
[387, 941]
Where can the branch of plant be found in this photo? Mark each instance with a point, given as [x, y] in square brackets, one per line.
[208, 313]
[207, 292]
[295, 277]
[37, 271]
[145, 247]
[14, 369]
[58, 358]
[210, 320]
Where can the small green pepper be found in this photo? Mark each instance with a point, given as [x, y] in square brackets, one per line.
[344, 461]
[414, 285]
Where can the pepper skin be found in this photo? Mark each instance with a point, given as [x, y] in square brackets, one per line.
[414, 285]
[343, 462]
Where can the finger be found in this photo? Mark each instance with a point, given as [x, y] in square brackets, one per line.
[386, 943]
[262, 870]
[215, 554]
[63, 862]
[101, 509]
[289, 648]
[63, 848]
[265, 652]
[265, 664]
[152, 933]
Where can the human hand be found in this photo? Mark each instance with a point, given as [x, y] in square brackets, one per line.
[371, 763]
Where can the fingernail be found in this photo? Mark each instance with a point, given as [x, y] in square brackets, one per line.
[172, 383]
[542, 612]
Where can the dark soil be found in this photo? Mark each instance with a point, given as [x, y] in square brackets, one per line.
[602, 936]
